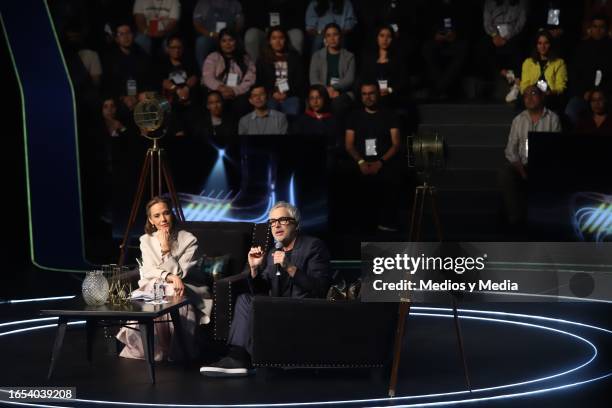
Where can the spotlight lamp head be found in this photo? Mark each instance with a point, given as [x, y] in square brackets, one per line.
[426, 152]
[150, 114]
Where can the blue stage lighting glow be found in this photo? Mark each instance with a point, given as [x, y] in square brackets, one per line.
[216, 203]
[592, 216]
[292, 191]
[466, 393]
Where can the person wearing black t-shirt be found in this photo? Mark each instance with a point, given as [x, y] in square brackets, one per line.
[372, 140]
[179, 75]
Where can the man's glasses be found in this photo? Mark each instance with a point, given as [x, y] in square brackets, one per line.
[281, 221]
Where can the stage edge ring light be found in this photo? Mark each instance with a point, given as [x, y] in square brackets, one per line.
[409, 397]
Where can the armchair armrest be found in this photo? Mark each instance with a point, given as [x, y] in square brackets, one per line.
[225, 292]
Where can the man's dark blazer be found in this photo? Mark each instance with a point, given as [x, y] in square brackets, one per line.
[312, 278]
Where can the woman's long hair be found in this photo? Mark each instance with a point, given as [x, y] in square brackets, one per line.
[392, 51]
[150, 228]
[552, 51]
[239, 54]
[268, 54]
[323, 92]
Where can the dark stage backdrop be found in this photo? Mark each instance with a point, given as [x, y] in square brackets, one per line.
[570, 187]
[241, 184]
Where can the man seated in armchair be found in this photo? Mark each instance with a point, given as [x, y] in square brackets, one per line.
[297, 267]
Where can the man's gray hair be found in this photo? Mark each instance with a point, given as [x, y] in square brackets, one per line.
[293, 211]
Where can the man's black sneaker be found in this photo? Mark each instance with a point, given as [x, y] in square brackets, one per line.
[227, 367]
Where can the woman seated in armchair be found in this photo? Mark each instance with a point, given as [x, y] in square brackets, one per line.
[169, 254]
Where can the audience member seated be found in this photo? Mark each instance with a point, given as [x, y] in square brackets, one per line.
[321, 13]
[545, 70]
[127, 68]
[230, 71]
[334, 68]
[155, 20]
[73, 41]
[592, 67]
[501, 52]
[559, 19]
[446, 50]
[318, 120]
[401, 16]
[513, 177]
[301, 269]
[263, 120]
[280, 71]
[594, 8]
[382, 64]
[260, 15]
[168, 255]
[209, 18]
[598, 119]
[372, 140]
[180, 77]
[185, 111]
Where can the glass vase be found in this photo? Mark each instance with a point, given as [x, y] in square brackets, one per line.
[95, 288]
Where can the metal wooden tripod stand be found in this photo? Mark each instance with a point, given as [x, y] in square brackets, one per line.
[155, 169]
[420, 195]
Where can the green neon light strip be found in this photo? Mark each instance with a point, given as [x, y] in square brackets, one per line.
[25, 142]
[76, 138]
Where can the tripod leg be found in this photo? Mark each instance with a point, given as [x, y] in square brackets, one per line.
[404, 310]
[413, 214]
[160, 191]
[419, 221]
[415, 222]
[135, 205]
[171, 188]
[460, 342]
[434, 211]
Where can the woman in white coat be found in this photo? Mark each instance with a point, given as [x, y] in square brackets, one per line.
[168, 254]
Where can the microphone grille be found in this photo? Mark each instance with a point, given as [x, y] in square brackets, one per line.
[278, 245]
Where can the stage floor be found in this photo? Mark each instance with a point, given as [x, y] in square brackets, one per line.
[518, 354]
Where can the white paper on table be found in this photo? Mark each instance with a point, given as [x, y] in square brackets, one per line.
[141, 294]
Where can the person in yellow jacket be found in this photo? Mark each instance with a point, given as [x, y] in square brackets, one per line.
[543, 69]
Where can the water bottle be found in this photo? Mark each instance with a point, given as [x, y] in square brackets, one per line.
[159, 290]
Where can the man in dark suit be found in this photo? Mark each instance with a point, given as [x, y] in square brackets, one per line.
[298, 267]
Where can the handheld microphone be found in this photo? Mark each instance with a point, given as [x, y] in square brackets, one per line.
[279, 247]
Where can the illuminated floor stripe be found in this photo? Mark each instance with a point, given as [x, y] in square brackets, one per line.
[412, 397]
[47, 299]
